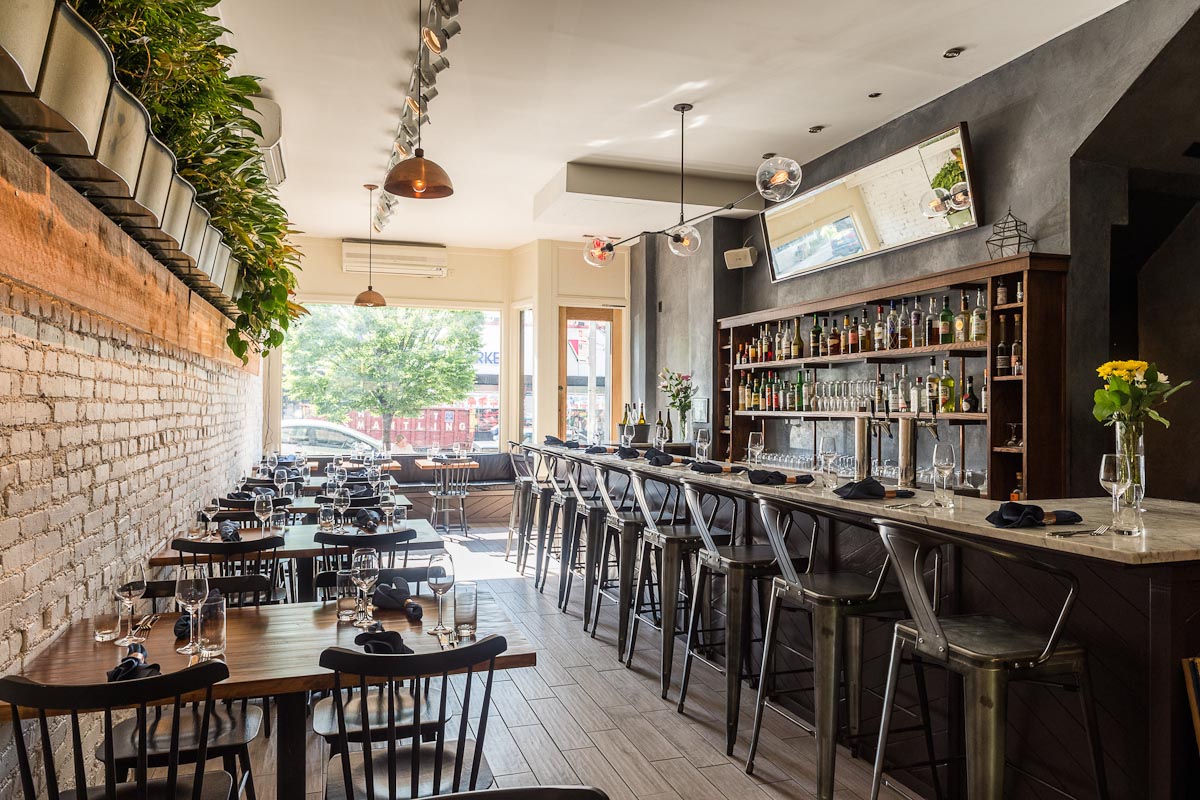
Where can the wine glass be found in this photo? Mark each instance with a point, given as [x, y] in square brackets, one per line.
[364, 571]
[341, 504]
[627, 435]
[339, 476]
[131, 584]
[1115, 478]
[755, 446]
[827, 453]
[191, 588]
[660, 436]
[387, 504]
[272, 460]
[943, 465]
[281, 479]
[440, 580]
[703, 442]
[375, 478]
[262, 509]
[210, 509]
[243, 476]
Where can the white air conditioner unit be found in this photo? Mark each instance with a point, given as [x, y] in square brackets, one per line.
[396, 258]
[267, 114]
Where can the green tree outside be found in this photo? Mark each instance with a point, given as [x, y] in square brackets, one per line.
[393, 362]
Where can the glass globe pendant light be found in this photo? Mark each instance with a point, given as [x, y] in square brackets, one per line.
[935, 203]
[683, 239]
[418, 177]
[599, 253]
[370, 298]
[778, 178]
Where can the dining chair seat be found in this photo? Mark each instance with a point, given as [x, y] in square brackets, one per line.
[986, 639]
[841, 586]
[230, 728]
[687, 531]
[217, 786]
[325, 723]
[754, 555]
[336, 790]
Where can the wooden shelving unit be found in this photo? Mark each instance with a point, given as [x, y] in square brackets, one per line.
[1034, 400]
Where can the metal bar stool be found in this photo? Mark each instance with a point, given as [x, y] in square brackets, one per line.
[540, 497]
[988, 652]
[450, 496]
[523, 481]
[587, 526]
[562, 511]
[742, 565]
[622, 533]
[838, 600]
[672, 545]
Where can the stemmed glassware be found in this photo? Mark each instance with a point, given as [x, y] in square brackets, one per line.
[1115, 477]
[364, 570]
[387, 504]
[210, 509]
[281, 479]
[627, 435]
[262, 509]
[272, 461]
[755, 446]
[339, 476]
[241, 481]
[440, 580]
[191, 588]
[703, 442]
[943, 465]
[341, 504]
[660, 436]
[129, 587]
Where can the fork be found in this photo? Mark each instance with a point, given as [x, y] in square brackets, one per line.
[146, 624]
[1103, 529]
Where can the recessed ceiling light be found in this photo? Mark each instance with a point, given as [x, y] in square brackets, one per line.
[816, 129]
[873, 95]
[954, 52]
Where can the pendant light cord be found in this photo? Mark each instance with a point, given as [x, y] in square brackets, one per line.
[370, 239]
[682, 128]
[420, 74]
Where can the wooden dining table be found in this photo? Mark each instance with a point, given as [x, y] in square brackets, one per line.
[272, 651]
[300, 545]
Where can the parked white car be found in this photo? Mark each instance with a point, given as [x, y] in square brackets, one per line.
[320, 438]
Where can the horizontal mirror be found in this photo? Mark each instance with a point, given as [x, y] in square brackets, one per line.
[919, 193]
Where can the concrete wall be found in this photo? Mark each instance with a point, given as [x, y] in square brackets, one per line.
[120, 408]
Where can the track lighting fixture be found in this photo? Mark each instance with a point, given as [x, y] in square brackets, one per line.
[438, 31]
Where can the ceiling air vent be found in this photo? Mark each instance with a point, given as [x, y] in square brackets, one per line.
[396, 258]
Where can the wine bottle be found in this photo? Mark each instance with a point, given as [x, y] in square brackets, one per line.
[814, 337]
[962, 321]
[983, 393]
[1003, 359]
[625, 415]
[796, 338]
[642, 414]
[880, 330]
[1018, 350]
[670, 428]
[979, 319]
[947, 399]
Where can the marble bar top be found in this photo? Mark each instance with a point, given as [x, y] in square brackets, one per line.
[1172, 534]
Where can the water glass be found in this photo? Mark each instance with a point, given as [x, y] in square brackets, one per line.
[347, 596]
[660, 435]
[325, 517]
[627, 435]
[466, 609]
[106, 622]
[943, 465]
[130, 585]
[212, 628]
[279, 521]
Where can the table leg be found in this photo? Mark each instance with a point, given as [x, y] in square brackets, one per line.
[827, 650]
[629, 542]
[291, 730]
[306, 580]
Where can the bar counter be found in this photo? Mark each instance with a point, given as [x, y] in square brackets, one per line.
[1136, 613]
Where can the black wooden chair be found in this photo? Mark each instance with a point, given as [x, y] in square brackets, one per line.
[140, 694]
[401, 771]
[336, 548]
[252, 558]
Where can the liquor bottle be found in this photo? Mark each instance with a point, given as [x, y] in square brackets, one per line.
[1003, 359]
[947, 399]
[801, 380]
[835, 339]
[670, 428]
[752, 351]
[1001, 292]
[852, 337]
[866, 338]
[880, 331]
[962, 321]
[879, 396]
[931, 387]
[893, 327]
[917, 324]
[932, 323]
[806, 392]
[1018, 351]
[906, 331]
[814, 337]
[983, 393]
[1020, 292]
[905, 394]
[946, 322]
[642, 413]
[916, 396]
[795, 352]
[741, 355]
[824, 336]
[1018, 492]
[625, 415]
[741, 392]
[893, 393]
[979, 319]
[846, 334]
[970, 400]
[781, 343]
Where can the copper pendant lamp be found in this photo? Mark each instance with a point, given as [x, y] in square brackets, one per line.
[418, 177]
[370, 298]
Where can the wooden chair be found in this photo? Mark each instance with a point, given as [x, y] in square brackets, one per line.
[21, 693]
[253, 558]
[337, 547]
[414, 770]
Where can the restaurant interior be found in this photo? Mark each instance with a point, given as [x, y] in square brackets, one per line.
[554, 400]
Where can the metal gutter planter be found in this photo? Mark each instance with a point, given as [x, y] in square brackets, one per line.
[24, 29]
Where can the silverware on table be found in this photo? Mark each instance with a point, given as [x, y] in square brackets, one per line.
[1103, 529]
[1065, 534]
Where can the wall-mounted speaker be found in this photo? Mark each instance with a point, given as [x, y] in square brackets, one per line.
[740, 258]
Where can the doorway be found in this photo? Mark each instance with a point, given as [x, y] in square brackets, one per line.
[589, 372]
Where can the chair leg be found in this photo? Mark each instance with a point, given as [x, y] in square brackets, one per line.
[986, 708]
[247, 773]
[737, 583]
[1092, 722]
[885, 721]
[760, 700]
[566, 562]
[852, 667]
[927, 725]
[827, 655]
[266, 701]
[693, 625]
[598, 594]
[668, 581]
[638, 594]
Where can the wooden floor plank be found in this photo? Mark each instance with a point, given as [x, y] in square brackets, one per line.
[530, 683]
[686, 780]
[583, 708]
[559, 723]
[593, 769]
[630, 764]
[545, 760]
[651, 743]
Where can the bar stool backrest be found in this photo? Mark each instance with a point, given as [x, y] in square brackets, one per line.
[518, 454]
[695, 504]
[778, 522]
[574, 475]
[452, 479]
[602, 483]
[20, 692]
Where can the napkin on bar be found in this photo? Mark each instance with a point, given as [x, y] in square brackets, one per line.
[869, 489]
[133, 666]
[599, 450]
[657, 458]
[228, 531]
[627, 453]
[389, 596]
[714, 467]
[183, 625]
[554, 441]
[1019, 515]
[762, 477]
[283, 461]
[367, 520]
[376, 641]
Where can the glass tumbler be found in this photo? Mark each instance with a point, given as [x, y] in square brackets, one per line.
[212, 628]
[466, 608]
[347, 596]
[106, 622]
[325, 517]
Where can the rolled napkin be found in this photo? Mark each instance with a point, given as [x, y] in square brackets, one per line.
[657, 458]
[715, 468]
[762, 477]
[391, 596]
[183, 625]
[600, 450]
[284, 461]
[1019, 515]
[869, 489]
[133, 666]
[367, 520]
[554, 441]
[376, 641]
[228, 530]
[627, 453]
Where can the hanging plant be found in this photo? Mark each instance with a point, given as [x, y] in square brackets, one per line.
[167, 53]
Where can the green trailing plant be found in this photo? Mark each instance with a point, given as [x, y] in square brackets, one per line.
[168, 54]
[952, 172]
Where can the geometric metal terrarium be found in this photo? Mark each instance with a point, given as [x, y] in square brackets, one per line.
[1009, 237]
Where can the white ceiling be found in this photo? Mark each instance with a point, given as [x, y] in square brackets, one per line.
[534, 84]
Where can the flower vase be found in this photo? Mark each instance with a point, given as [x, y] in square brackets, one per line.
[1131, 452]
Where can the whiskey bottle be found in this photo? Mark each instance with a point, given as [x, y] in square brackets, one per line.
[931, 387]
[979, 319]
[1003, 359]
[866, 339]
[947, 399]
[852, 339]
[1018, 492]
[835, 339]
[917, 323]
[962, 321]
[823, 345]
[1018, 351]
[970, 400]
[880, 330]
[946, 322]
[814, 337]
[906, 330]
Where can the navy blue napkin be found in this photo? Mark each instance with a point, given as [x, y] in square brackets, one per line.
[367, 520]
[1019, 515]
[228, 530]
[391, 596]
[253, 493]
[869, 489]
[183, 625]
[554, 441]
[626, 453]
[133, 666]
[762, 477]
[596, 450]
[376, 641]
[713, 468]
[284, 461]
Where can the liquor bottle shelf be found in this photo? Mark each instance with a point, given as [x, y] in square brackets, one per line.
[1006, 449]
[1008, 306]
[960, 349]
[958, 417]
[1008, 378]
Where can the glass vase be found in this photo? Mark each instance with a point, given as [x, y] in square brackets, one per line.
[1131, 450]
